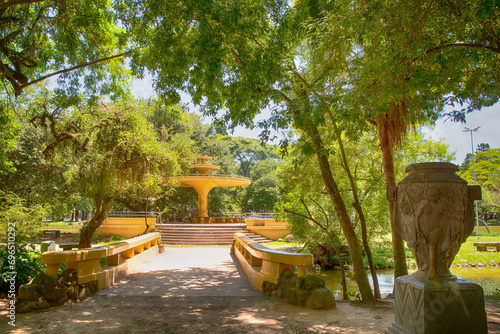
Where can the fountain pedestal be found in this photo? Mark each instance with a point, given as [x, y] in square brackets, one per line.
[433, 212]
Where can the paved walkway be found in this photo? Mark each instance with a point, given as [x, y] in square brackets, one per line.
[188, 272]
[195, 290]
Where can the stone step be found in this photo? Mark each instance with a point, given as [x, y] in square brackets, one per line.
[204, 234]
[181, 225]
[193, 230]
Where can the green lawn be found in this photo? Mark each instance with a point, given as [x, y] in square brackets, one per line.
[58, 222]
[468, 252]
[63, 228]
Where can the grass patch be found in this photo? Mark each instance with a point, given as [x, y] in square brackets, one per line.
[468, 253]
[62, 228]
[103, 240]
[287, 246]
[493, 296]
[62, 223]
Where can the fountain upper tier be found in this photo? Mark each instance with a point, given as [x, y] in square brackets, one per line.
[203, 169]
[204, 183]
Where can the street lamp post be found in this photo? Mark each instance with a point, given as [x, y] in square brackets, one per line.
[466, 129]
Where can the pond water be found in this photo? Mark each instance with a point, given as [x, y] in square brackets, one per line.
[488, 278]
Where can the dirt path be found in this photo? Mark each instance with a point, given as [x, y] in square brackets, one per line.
[196, 290]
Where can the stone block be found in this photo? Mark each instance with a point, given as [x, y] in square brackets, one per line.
[54, 293]
[321, 298]
[287, 278]
[73, 293]
[267, 287]
[69, 275]
[438, 307]
[291, 297]
[29, 292]
[310, 282]
[84, 293]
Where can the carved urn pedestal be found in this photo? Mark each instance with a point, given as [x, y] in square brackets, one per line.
[434, 214]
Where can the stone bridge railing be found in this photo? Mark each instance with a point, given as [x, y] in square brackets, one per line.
[264, 264]
[122, 258]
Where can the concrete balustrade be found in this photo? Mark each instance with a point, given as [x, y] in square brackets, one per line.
[264, 264]
[122, 258]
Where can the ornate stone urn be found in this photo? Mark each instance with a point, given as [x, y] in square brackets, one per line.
[434, 213]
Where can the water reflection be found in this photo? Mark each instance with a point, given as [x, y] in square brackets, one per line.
[488, 278]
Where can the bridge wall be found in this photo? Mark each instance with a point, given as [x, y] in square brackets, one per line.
[122, 258]
[267, 227]
[126, 227]
[264, 264]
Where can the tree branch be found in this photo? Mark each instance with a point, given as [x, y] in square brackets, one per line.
[9, 4]
[462, 45]
[97, 61]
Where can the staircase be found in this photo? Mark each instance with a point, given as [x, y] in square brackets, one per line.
[204, 234]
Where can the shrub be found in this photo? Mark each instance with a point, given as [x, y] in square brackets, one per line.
[27, 264]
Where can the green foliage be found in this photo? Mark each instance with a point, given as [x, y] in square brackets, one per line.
[8, 135]
[229, 70]
[416, 148]
[29, 169]
[246, 152]
[262, 194]
[487, 168]
[301, 180]
[18, 220]
[79, 40]
[25, 263]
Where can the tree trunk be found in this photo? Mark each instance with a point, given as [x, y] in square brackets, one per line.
[366, 246]
[88, 230]
[342, 269]
[386, 146]
[345, 222]
[362, 220]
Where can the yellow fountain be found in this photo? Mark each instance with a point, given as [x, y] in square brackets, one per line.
[203, 183]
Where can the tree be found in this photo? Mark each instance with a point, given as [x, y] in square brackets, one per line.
[29, 169]
[68, 39]
[303, 192]
[248, 151]
[17, 219]
[8, 135]
[106, 152]
[247, 64]
[414, 57]
[487, 176]
[264, 192]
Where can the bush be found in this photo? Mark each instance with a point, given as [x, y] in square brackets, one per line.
[27, 264]
[17, 219]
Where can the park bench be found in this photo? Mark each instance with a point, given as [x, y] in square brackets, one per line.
[483, 246]
[54, 234]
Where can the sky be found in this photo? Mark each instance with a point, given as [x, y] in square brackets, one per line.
[488, 121]
[452, 134]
